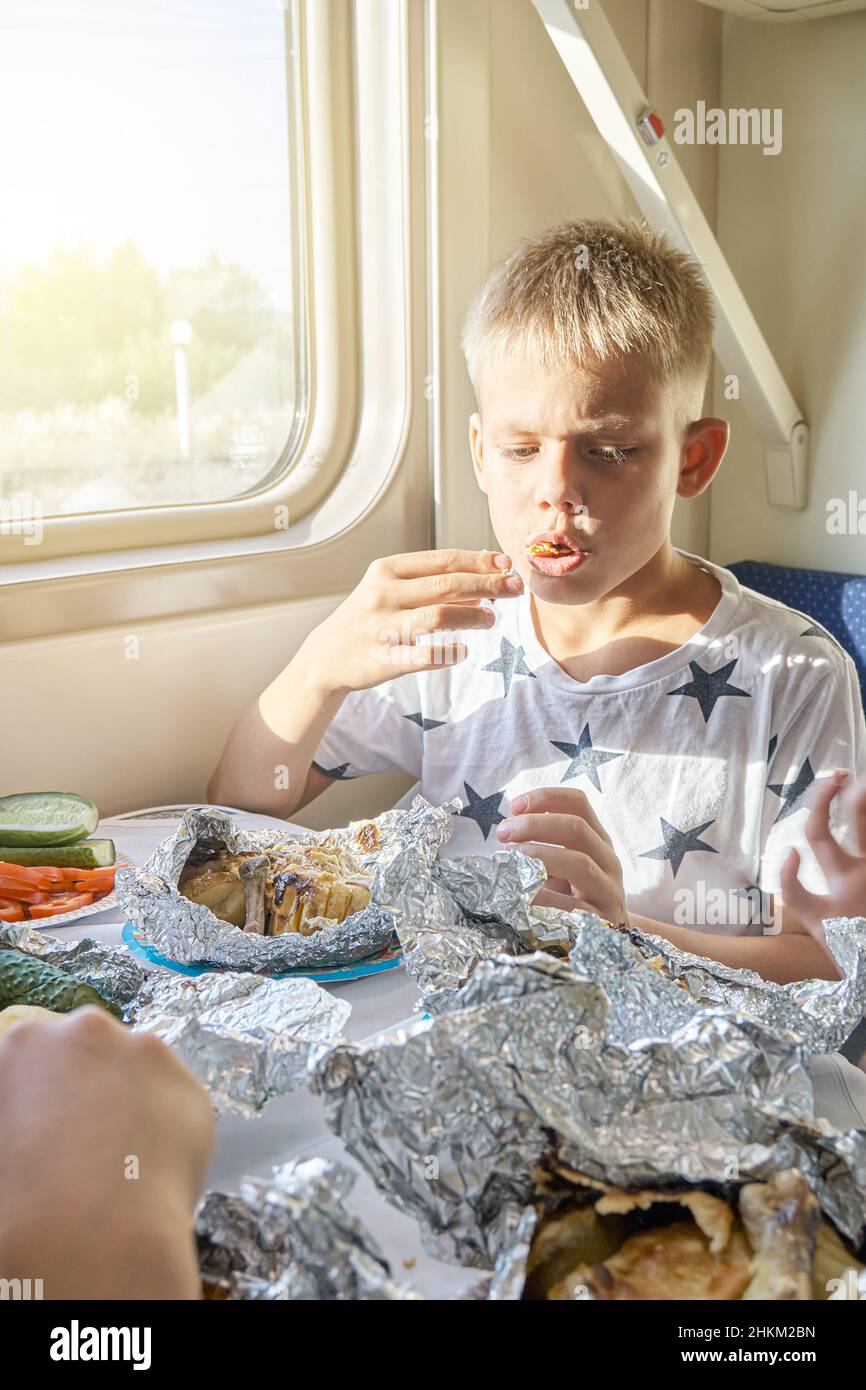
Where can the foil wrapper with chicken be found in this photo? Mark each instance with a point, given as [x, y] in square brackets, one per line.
[587, 1240]
[266, 901]
[600, 1063]
[292, 888]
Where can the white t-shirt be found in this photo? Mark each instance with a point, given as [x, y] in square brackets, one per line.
[697, 764]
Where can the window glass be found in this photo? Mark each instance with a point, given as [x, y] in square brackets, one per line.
[150, 341]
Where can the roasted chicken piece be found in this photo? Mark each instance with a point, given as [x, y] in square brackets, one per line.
[216, 882]
[291, 888]
[308, 884]
[668, 1262]
[768, 1242]
[782, 1218]
[254, 873]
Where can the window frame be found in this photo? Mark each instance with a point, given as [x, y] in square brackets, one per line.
[362, 165]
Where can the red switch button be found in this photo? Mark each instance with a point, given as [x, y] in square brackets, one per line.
[650, 126]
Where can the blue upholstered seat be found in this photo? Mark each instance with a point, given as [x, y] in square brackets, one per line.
[836, 601]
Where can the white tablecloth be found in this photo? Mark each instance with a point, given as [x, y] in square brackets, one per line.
[295, 1127]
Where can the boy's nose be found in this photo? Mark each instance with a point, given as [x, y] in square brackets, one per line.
[559, 485]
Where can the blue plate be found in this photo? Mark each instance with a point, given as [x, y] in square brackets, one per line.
[388, 959]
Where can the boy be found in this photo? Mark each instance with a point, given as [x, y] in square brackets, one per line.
[625, 712]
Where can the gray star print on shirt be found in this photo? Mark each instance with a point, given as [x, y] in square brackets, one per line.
[792, 792]
[679, 843]
[484, 810]
[585, 760]
[509, 663]
[337, 773]
[423, 723]
[709, 686]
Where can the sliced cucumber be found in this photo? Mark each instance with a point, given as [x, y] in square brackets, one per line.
[87, 854]
[46, 818]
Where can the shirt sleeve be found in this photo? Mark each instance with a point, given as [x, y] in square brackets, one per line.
[826, 732]
[375, 730]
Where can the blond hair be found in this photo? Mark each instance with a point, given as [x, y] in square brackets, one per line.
[593, 290]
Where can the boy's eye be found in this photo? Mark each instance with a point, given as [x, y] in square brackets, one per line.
[521, 451]
[613, 455]
[607, 455]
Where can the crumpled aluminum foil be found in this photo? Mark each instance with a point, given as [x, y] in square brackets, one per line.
[455, 913]
[823, 1013]
[509, 1274]
[246, 1038]
[110, 970]
[190, 933]
[293, 1237]
[603, 1061]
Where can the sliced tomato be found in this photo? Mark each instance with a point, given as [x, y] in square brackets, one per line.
[21, 892]
[76, 899]
[62, 903]
[36, 878]
[51, 872]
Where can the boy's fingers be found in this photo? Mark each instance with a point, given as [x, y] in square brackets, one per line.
[807, 907]
[829, 853]
[422, 657]
[443, 618]
[460, 586]
[558, 885]
[578, 869]
[554, 828]
[415, 564]
[547, 897]
[569, 801]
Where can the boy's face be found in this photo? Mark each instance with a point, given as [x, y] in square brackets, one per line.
[586, 463]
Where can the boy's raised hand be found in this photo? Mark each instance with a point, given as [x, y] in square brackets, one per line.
[845, 873]
[371, 637]
[558, 826]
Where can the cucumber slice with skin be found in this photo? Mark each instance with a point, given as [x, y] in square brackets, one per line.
[46, 818]
[87, 854]
[27, 980]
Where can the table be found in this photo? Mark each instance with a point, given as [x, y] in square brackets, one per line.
[293, 1126]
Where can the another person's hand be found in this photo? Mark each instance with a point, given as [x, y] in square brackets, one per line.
[845, 873]
[371, 637]
[558, 826]
[104, 1143]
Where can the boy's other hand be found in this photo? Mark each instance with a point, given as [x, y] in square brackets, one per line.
[372, 636]
[104, 1143]
[845, 873]
[558, 826]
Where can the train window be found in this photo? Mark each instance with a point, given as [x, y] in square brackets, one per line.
[151, 348]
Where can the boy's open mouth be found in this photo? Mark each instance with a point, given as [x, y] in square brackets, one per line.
[553, 553]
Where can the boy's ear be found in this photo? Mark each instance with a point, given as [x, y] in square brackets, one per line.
[705, 446]
[476, 446]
